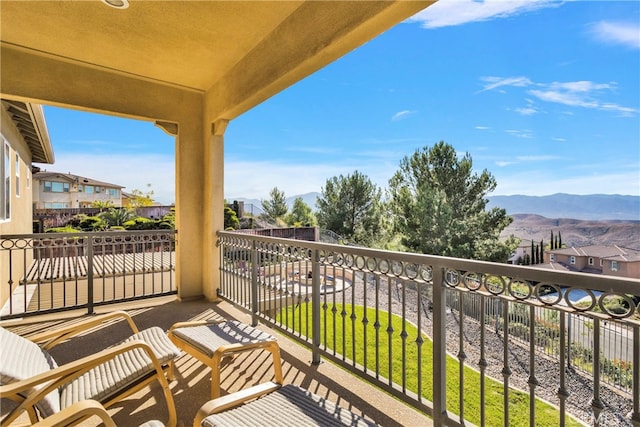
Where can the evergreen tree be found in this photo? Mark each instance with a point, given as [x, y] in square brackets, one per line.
[559, 240]
[351, 206]
[551, 241]
[301, 214]
[438, 206]
[276, 207]
[231, 221]
[534, 252]
[541, 254]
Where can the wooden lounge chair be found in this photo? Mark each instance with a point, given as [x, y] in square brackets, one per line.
[81, 411]
[262, 405]
[30, 377]
[273, 404]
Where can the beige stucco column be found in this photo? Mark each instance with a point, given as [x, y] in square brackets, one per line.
[200, 204]
[191, 205]
[214, 198]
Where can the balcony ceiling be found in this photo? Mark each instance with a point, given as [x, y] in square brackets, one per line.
[252, 48]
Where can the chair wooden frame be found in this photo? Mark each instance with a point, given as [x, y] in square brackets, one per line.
[77, 413]
[24, 393]
[225, 351]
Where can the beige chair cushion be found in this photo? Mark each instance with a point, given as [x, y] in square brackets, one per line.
[290, 405]
[123, 370]
[21, 359]
[208, 338]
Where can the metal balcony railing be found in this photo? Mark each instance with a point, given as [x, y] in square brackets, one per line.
[451, 336]
[50, 272]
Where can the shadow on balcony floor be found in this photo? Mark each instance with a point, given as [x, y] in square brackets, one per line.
[192, 385]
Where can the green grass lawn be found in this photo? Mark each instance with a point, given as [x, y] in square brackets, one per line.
[296, 318]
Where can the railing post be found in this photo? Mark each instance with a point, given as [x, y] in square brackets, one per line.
[635, 415]
[90, 301]
[439, 348]
[315, 307]
[254, 283]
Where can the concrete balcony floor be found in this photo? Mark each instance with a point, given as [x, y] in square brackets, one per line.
[191, 388]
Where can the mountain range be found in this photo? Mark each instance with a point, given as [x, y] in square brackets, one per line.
[592, 207]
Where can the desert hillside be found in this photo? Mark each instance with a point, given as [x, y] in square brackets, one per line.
[576, 232]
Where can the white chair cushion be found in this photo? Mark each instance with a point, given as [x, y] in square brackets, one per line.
[21, 359]
[120, 372]
[290, 405]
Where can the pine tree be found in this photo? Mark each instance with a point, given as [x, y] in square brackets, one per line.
[534, 252]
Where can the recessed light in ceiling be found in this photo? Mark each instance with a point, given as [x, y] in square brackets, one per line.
[118, 4]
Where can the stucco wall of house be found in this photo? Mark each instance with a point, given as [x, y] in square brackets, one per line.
[20, 221]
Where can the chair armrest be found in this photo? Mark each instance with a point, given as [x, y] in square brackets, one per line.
[76, 413]
[55, 378]
[232, 400]
[49, 339]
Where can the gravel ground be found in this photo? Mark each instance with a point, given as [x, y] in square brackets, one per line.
[617, 408]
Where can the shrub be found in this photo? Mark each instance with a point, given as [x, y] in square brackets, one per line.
[93, 223]
[65, 229]
[139, 223]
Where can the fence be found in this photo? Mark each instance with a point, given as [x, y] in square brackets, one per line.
[61, 271]
[358, 307]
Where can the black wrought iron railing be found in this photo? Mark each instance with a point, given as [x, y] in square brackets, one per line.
[454, 338]
[51, 272]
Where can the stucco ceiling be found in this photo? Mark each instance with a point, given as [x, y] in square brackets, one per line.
[200, 45]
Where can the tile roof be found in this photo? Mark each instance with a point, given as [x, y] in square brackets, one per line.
[600, 251]
[43, 175]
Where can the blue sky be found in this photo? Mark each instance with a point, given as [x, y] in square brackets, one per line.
[545, 95]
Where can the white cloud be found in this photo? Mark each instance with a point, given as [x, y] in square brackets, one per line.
[582, 93]
[626, 34]
[544, 158]
[504, 163]
[482, 127]
[400, 115]
[526, 111]
[446, 13]
[496, 82]
[525, 133]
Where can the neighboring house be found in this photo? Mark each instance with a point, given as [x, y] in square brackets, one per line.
[24, 139]
[55, 190]
[522, 251]
[598, 259]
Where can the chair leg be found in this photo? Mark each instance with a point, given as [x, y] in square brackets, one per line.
[215, 374]
[274, 348]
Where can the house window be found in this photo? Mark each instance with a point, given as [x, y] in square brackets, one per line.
[6, 180]
[601, 262]
[17, 166]
[552, 257]
[28, 179]
[572, 260]
[591, 261]
[614, 265]
[97, 188]
[113, 192]
[56, 187]
[56, 205]
[80, 188]
[88, 189]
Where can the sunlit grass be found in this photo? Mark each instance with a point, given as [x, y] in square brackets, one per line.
[387, 362]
